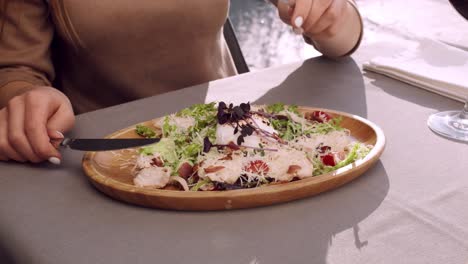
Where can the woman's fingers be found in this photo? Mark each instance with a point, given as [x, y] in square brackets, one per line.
[37, 113]
[30, 121]
[302, 10]
[6, 150]
[62, 121]
[318, 17]
[328, 20]
[284, 11]
[316, 12]
[16, 130]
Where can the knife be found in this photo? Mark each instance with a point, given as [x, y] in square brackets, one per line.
[98, 144]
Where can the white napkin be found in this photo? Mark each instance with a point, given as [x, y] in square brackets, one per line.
[435, 19]
[429, 64]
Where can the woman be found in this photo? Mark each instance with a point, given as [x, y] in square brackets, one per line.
[102, 53]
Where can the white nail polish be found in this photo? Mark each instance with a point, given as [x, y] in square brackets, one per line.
[60, 133]
[298, 21]
[298, 31]
[54, 160]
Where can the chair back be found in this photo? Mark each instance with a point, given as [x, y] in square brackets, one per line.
[234, 48]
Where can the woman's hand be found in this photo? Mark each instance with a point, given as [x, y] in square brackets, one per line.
[30, 121]
[332, 24]
[315, 17]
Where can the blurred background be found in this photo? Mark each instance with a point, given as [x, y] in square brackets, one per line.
[266, 41]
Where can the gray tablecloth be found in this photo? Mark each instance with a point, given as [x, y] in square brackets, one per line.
[410, 208]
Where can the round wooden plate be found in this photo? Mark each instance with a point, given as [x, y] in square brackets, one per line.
[110, 172]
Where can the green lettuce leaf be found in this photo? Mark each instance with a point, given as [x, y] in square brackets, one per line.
[165, 147]
[325, 128]
[275, 108]
[145, 131]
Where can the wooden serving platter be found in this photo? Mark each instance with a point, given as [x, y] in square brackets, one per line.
[110, 172]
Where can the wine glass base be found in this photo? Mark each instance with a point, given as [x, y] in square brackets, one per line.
[449, 124]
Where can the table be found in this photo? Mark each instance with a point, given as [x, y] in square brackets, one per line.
[410, 208]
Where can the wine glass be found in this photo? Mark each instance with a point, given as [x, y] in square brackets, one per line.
[453, 124]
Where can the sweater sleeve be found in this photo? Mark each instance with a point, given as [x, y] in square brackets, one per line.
[26, 33]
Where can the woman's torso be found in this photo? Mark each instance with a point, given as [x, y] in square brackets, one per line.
[112, 51]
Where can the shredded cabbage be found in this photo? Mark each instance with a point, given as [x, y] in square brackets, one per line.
[325, 127]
